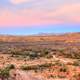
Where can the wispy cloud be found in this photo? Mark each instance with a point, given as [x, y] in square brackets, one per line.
[20, 19]
[18, 1]
[41, 12]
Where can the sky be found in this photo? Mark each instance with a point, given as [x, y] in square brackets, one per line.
[39, 16]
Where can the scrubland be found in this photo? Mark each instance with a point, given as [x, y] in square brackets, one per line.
[53, 57]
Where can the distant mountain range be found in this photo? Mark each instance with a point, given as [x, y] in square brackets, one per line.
[42, 37]
[55, 34]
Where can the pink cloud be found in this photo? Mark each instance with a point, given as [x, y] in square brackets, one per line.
[75, 19]
[30, 17]
[68, 13]
[18, 1]
[9, 18]
[66, 9]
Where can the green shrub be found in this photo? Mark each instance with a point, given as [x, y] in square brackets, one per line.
[36, 67]
[10, 66]
[5, 71]
[26, 67]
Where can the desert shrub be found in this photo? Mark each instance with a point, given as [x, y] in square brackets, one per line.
[63, 69]
[61, 50]
[23, 67]
[45, 51]
[58, 63]
[52, 76]
[76, 63]
[33, 55]
[61, 76]
[46, 65]
[10, 66]
[36, 67]
[4, 73]
[26, 67]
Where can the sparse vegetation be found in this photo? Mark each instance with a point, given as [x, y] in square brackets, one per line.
[4, 73]
[36, 67]
[51, 57]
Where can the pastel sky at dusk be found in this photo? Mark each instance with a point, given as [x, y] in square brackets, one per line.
[35, 16]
